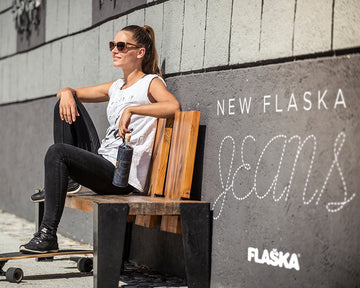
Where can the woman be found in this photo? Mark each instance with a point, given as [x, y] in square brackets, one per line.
[135, 103]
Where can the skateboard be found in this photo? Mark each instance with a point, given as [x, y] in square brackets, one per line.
[15, 275]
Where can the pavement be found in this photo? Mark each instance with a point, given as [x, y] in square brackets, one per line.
[63, 272]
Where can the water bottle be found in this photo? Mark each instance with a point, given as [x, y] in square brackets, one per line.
[123, 163]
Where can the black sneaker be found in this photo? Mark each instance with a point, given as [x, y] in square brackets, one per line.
[39, 195]
[43, 242]
[73, 187]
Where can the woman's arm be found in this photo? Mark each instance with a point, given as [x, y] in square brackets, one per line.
[67, 108]
[164, 105]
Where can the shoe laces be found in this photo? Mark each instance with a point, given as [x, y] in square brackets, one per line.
[38, 238]
[42, 234]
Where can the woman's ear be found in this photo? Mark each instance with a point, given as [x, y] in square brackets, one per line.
[141, 52]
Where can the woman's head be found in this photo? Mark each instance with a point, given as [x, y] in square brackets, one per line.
[144, 37]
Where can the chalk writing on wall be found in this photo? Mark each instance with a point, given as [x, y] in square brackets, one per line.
[280, 142]
[323, 99]
[296, 102]
[228, 175]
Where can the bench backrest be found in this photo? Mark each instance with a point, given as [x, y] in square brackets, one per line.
[172, 165]
[174, 156]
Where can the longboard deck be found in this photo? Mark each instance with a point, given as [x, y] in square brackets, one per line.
[21, 255]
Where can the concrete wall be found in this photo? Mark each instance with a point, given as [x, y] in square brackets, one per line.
[191, 36]
[214, 55]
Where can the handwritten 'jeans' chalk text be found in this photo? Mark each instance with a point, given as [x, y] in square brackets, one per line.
[229, 176]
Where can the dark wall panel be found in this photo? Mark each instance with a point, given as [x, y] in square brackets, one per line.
[282, 176]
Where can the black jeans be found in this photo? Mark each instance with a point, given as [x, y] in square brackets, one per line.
[74, 154]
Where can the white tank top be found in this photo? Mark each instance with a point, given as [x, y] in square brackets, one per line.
[144, 128]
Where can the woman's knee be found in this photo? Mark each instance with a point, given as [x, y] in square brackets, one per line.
[55, 152]
[56, 107]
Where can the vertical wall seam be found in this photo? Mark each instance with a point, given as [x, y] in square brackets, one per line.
[57, 15]
[145, 15]
[68, 20]
[230, 30]
[182, 36]
[98, 54]
[293, 34]
[113, 28]
[206, 17]
[10, 81]
[332, 25]
[72, 56]
[162, 36]
[61, 59]
[43, 67]
[261, 18]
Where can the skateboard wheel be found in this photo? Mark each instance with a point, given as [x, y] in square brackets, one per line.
[85, 265]
[14, 275]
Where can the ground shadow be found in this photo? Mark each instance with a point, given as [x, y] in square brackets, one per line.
[57, 276]
[141, 276]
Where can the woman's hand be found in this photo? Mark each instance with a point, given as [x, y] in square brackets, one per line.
[67, 108]
[124, 122]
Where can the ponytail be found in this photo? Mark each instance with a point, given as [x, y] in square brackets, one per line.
[145, 36]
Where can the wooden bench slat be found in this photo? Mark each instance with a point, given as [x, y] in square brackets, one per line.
[138, 205]
[171, 224]
[80, 204]
[159, 161]
[182, 155]
[148, 221]
[181, 164]
[160, 157]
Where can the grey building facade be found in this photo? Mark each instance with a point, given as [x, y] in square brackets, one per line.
[278, 86]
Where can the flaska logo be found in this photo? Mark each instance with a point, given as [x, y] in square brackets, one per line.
[274, 258]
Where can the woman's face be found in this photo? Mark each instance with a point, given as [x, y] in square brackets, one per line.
[131, 56]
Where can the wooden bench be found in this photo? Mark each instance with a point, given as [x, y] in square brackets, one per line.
[167, 202]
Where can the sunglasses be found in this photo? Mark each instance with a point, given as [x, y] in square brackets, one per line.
[121, 46]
